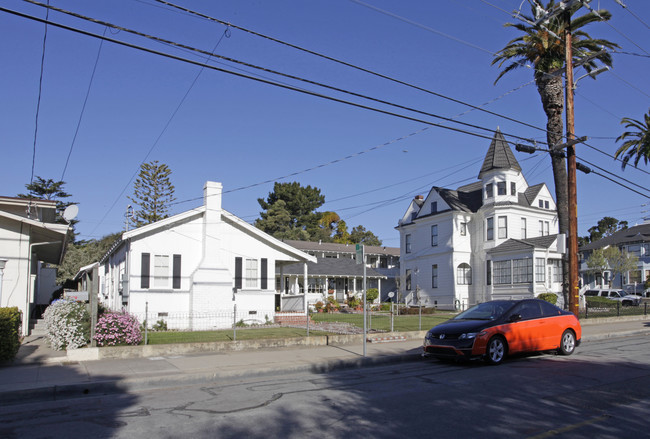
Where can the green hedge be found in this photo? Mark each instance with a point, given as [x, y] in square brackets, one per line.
[549, 297]
[603, 302]
[10, 321]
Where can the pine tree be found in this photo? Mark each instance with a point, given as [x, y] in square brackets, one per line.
[153, 192]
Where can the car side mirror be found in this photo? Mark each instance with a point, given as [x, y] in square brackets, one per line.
[515, 317]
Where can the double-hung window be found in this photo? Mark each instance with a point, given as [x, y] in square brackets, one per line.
[434, 235]
[434, 276]
[501, 188]
[523, 228]
[540, 270]
[408, 279]
[503, 227]
[490, 228]
[251, 273]
[407, 243]
[488, 190]
[160, 271]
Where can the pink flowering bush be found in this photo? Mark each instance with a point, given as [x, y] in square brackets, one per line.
[115, 329]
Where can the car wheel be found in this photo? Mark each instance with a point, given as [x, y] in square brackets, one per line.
[496, 350]
[568, 343]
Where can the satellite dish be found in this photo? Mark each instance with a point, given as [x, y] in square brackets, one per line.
[70, 212]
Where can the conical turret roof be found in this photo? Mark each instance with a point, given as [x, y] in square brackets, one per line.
[499, 156]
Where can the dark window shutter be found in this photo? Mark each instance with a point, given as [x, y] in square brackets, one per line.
[145, 270]
[176, 272]
[265, 274]
[238, 272]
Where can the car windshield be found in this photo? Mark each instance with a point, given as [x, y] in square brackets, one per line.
[485, 311]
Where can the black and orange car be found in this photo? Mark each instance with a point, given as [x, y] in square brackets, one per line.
[493, 330]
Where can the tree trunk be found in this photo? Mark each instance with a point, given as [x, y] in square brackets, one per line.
[551, 91]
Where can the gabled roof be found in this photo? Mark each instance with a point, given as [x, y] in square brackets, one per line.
[530, 194]
[334, 267]
[499, 156]
[640, 233]
[542, 242]
[459, 200]
[340, 248]
[226, 216]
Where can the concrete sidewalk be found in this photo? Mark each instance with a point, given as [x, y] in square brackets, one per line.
[41, 374]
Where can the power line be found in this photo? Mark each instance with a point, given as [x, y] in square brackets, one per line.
[624, 6]
[381, 101]
[38, 100]
[611, 156]
[615, 175]
[163, 131]
[347, 64]
[264, 81]
[83, 107]
[586, 5]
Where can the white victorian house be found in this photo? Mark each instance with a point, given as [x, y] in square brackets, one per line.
[495, 238]
[191, 269]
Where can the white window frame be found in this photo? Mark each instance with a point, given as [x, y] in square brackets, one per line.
[524, 230]
[502, 227]
[251, 273]
[464, 274]
[489, 225]
[161, 270]
[407, 243]
[434, 276]
[434, 235]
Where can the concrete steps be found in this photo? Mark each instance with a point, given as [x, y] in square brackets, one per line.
[37, 327]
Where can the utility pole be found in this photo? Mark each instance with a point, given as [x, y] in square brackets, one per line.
[571, 169]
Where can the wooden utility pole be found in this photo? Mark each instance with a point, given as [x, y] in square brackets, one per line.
[574, 299]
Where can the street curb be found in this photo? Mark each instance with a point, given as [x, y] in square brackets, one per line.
[117, 386]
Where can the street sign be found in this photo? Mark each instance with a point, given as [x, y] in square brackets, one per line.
[359, 257]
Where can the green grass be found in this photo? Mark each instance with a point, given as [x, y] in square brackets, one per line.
[171, 337]
[382, 321]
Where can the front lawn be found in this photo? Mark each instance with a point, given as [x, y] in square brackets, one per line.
[169, 337]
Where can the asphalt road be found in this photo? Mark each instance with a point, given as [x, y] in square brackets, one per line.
[602, 391]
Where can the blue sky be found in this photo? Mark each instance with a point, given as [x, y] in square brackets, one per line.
[244, 133]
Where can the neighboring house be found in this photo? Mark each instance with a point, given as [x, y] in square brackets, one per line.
[191, 269]
[29, 238]
[495, 238]
[635, 241]
[338, 275]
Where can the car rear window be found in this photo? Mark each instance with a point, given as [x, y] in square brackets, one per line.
[591, 293]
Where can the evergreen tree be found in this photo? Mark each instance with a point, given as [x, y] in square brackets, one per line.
[360, 235]
[53, 191]
[153, 192]
[82, 253]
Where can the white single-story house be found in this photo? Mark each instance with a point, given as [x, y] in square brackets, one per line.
[29, 238]
[192, 269]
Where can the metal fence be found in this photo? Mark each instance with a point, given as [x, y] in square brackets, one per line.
[245, 324]
[616, 309]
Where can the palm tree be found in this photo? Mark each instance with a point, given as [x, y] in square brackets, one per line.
[544, 49]
[638, 143]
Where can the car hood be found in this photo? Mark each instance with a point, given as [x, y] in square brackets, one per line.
[461, 326]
